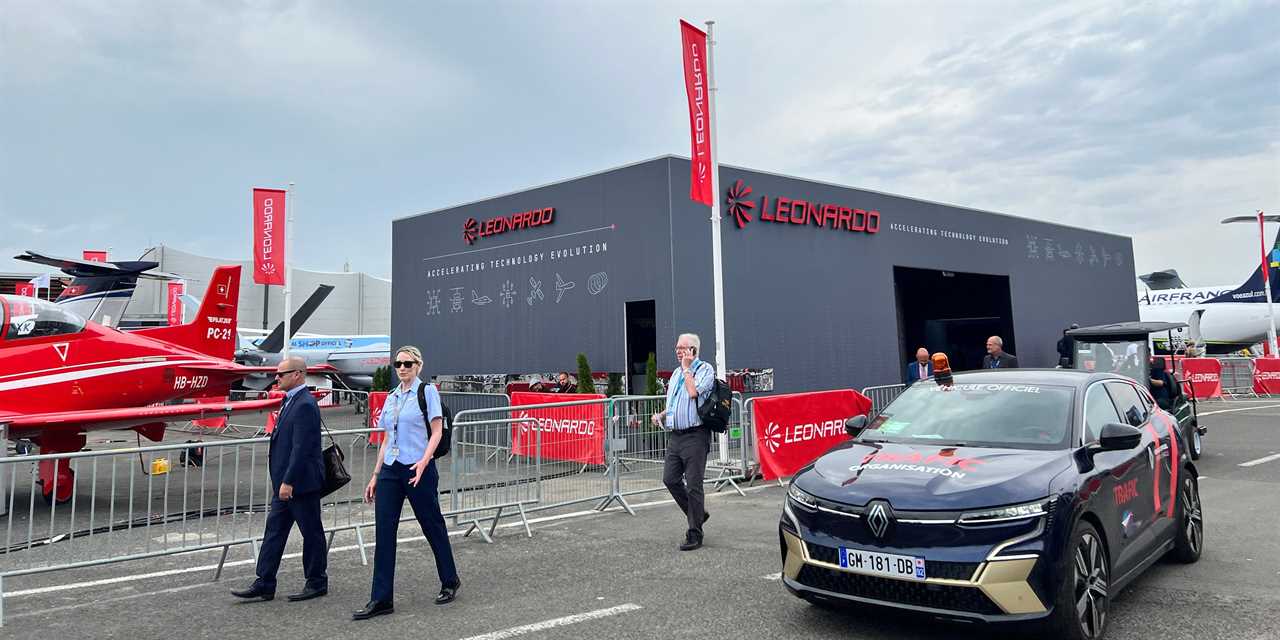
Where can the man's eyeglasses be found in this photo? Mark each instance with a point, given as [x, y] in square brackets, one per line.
[404, 364]
[281, 374]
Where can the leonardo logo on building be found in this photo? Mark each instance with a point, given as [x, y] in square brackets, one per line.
[799, 211]
[473, 230]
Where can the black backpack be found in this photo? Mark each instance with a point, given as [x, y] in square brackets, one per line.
[717, 408]
[446, 431]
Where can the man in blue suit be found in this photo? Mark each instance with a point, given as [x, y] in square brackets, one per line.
[297, 478]
[920, 369]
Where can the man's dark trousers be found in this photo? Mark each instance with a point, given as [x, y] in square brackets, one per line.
[304, 510]
[393, 488]
[683, 470]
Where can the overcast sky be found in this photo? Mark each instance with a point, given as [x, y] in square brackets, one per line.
[128, 124]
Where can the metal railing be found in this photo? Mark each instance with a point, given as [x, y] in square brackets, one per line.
[882, 395]
[1237, 377]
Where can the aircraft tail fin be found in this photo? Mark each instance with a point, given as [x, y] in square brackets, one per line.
[1253, 289]
[213, 332]
[274, 341]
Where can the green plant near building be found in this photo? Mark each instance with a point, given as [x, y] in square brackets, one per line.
[651, 375]
[615, 385]
[382, 379]
[585, 383]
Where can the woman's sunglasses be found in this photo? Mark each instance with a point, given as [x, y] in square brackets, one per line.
[404, 364]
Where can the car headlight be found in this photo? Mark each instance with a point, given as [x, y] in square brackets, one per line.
[801, 498]
[1007, 514]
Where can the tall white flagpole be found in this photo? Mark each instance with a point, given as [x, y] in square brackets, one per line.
[289, 204]
[717, 267]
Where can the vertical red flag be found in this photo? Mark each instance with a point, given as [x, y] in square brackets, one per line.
[25, 289]
[693, 43]
[174, 305]
[268, 236]
[95, 256]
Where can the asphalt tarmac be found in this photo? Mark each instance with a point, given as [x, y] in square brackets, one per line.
[611, 575]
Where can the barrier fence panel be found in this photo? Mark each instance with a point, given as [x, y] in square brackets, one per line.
[882, 395]
[1237, 376]
[564, 441]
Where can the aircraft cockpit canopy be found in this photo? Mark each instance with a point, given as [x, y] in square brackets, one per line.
[22, 318]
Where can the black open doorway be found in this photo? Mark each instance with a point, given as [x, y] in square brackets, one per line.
[642, 339]
[952, 312]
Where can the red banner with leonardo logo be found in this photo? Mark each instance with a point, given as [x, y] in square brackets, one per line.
[268, 236]
[1266, 375]
[1205, 376]
[567, 434]
[174, 305]
[794, 429]
[693, 44]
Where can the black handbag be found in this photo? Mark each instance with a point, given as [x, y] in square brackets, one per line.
[335, 472]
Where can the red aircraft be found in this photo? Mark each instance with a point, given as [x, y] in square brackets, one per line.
[61, 375]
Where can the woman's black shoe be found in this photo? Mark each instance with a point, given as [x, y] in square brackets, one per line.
[374, 608]
[447, 594]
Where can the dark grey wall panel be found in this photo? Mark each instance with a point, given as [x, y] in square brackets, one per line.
[815, 304]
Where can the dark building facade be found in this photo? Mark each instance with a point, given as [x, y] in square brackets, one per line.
[829, 286]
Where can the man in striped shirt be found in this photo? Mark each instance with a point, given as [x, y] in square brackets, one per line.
[689, 442]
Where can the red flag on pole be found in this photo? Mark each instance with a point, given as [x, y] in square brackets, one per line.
[693, 43]
[174, 305]
[268, 236]
[95, 256]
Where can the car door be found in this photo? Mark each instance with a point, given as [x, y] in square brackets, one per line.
[1120, 479]
[1137, 498]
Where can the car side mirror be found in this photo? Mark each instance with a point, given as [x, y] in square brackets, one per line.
[855, 425]
[1118, 437]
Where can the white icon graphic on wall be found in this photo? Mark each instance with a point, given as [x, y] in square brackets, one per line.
[561, 287]
[433, 302]
[508, 293]
[535, 290]
[597, 282]
[479, 300]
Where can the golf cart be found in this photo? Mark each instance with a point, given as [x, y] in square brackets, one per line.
[1124, 348]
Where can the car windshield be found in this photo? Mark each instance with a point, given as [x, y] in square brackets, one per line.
[1020, 416]
[1126, 358]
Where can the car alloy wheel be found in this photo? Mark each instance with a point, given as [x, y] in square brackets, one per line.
[1091, 586]
[1192, 518]
[1196, 446]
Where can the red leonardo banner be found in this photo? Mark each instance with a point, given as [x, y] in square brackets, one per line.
[567, 434]
[1266, 375]
[268, 236]
[1205, 376]
[693, 44]
[95, 256]
[174, 304]
[794, 429]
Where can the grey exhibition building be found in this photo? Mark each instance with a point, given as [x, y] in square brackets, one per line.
[828, 286]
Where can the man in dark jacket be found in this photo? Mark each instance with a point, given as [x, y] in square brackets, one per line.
[297, 479]
[920, 368]
[996, 357]
[1067, 348]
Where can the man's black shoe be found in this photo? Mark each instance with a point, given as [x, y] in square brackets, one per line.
[307, 594]
[706, 515]
[254, 591]
[447, 594]
[374, 608]
[691, 541]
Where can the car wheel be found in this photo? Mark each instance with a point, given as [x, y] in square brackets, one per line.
[1197, 447]
[1080, 610]
[1189, 542]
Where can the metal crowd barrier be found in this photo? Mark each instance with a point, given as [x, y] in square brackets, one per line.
[882, 395]
[146, 502]
[1237, 377]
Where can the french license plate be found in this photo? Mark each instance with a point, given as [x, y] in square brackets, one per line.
[882, 564]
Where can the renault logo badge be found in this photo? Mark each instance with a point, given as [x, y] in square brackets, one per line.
[879, 517]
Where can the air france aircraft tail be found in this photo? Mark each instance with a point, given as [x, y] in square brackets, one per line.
[1253, 290]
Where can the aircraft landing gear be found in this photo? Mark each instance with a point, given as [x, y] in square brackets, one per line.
[57, 476]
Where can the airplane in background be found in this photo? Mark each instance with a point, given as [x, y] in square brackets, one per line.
[61, 375]
[99, 291]
[1228, 318]
[352, 358]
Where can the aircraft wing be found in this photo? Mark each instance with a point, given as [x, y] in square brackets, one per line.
[128, 417]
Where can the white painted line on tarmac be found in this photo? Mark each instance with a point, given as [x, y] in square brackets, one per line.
[78, 605]
[287, 556]
[558, 622]
[773, 576]
[1254, 463]
[1263, 406]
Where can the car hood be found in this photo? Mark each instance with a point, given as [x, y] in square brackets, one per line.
[925, 477]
